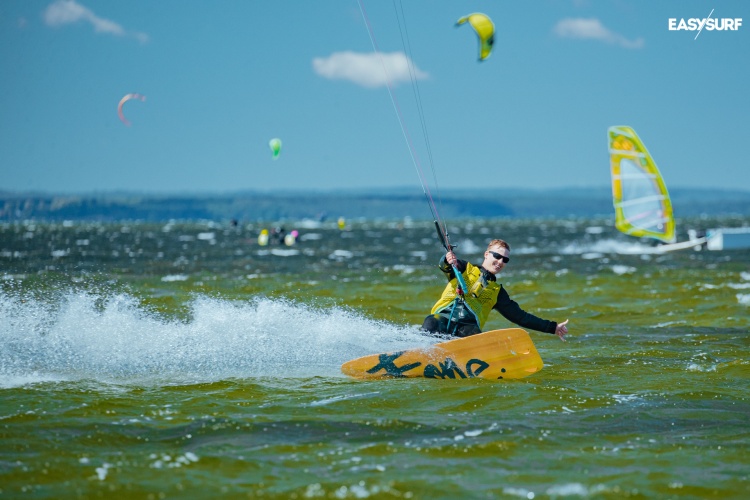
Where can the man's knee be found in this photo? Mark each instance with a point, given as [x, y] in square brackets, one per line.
[467, 331]
[431, 324]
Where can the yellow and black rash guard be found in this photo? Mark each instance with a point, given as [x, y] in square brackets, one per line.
[485, 294]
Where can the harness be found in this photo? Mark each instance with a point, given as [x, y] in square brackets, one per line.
[471, 308]
[463, 315]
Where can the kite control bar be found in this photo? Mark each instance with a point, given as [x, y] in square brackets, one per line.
[443, 237]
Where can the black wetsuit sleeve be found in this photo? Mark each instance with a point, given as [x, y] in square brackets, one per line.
[448, 269]
[513, 313]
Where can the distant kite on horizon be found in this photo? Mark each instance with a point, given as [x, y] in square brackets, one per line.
[275, 145]
[485, 30]
[123, 101]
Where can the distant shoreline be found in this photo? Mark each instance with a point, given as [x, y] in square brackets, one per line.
[393, 203]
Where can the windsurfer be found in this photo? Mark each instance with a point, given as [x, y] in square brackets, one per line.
[462, 315]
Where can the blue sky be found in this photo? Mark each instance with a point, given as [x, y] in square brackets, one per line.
[221, 78]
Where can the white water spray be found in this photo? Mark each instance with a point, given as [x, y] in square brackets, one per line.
[85, 337]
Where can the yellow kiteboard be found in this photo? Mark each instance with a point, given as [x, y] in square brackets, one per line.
[498, 354]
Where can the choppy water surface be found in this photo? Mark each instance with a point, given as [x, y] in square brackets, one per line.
[184, 360]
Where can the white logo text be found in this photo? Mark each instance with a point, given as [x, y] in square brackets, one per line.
[708, 23]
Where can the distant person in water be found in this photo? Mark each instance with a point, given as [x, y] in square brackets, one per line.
[277, 235]
[462, 316]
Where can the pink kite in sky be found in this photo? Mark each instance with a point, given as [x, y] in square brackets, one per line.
[123, 101]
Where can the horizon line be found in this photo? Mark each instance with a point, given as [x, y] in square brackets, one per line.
[336, 190]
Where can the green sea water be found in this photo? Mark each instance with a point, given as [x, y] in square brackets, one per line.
[182, 360]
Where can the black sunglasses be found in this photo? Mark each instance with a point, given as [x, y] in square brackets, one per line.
[499, 257]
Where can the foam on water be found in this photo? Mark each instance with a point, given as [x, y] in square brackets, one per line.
[468, 247]
[82, 336]
[620, 269]
[608, 246]
[591, 249]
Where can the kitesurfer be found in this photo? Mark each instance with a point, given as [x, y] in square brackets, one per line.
[462, 315]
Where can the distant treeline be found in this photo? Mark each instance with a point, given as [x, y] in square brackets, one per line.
[373, 204]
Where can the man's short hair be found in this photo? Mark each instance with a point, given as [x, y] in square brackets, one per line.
[499, 243]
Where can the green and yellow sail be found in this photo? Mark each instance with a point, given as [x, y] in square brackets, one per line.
[641, 199]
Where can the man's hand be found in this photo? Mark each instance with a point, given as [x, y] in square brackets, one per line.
[450, 257]
[562, 330]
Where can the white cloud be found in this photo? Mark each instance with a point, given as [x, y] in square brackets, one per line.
[64, 12]
[593, 29]
[366, 69]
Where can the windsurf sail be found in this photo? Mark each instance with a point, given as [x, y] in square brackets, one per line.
[641, 199]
